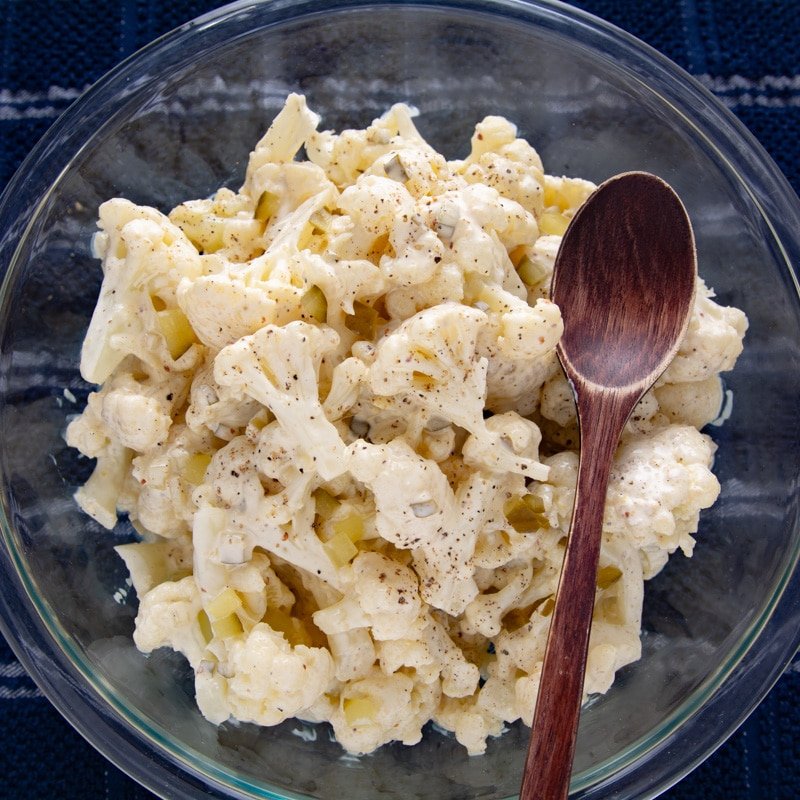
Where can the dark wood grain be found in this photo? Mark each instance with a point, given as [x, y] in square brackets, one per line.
[624, 280]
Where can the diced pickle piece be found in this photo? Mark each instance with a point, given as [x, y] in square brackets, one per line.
[205, 626]
[176, 330]
[267, 206]
[364, 322]
[225, 603]
[292, 628]
[524, 514]
[606, 576]
[530, 273]
[351, 526]
[546, 609]
[227, 626]
[340, 549]
[359, 709]
[325, 504]
[553, 224]
[195, 468]
[314, 305]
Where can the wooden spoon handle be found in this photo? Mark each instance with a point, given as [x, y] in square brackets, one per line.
[555, 725]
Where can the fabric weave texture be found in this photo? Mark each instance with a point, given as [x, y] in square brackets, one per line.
[746, 51]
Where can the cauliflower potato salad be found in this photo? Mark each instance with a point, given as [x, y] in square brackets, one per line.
[330, 404]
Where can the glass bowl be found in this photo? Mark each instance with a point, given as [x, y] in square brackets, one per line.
[178, 120]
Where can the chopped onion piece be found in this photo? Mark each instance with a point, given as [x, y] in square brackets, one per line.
[231, 549]
[424, 509]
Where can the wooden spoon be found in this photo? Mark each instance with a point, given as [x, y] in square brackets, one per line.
[624, 279]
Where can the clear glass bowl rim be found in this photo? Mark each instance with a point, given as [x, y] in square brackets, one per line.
[706, 719]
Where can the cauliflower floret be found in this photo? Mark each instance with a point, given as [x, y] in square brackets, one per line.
[658, 485]
[87, 432]
[168, 617]
[353, 653]
[137, 421]
[222, 410]
[223, 224]
[694, 403]
[712, 343]
[291, 128]
[382, 708]
[432, 359]
[144, 256]
[519, 342]
[278, 367]
[265, 679]
[470, 724]
[385, 598]
[152, 563]
[352, 152]
[508, 164]
[485, 613]
[98, 496]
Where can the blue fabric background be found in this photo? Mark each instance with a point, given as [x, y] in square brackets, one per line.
[747, 51]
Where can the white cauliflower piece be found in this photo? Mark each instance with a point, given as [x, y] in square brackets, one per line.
[432, 358]
[346, 156]
[712, 343]
[382, 708]
[138, 422]
[353, 653]
[279, 368]
[98, 496]
[143, 254]
[222, 410]
[470, 724]
[510, 165]
[485, 613]
[432, 654]
[385, 598]
[659, 483]
[152, 563]
[694, 403]
[265, 679]
[291, 128]
[168, 617]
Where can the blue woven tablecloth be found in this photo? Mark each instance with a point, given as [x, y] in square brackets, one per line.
[747, 51]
